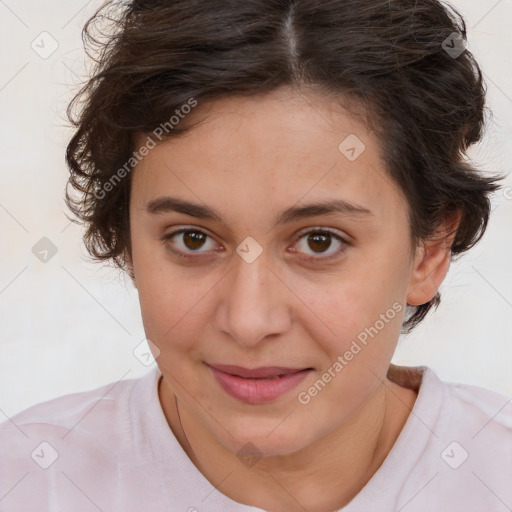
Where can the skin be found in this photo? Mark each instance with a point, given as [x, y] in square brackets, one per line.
[249, 158]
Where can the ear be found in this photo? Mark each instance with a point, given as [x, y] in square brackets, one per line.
[432, 261]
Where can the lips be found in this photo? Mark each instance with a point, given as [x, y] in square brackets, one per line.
[257, 385]
[265, 372]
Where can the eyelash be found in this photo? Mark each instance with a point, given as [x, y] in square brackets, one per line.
[165, 239]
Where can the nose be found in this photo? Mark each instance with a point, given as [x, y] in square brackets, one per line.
[255, 304]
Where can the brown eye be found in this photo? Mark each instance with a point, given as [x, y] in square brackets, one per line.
[190, 241]
[193, 240]
[319, 242]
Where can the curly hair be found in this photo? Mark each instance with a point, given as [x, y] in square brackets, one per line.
[152, 56]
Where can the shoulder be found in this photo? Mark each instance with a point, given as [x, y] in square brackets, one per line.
[97, 424]
[475, 428]
[454, 452]
[471, 407]
[467, 405]
[464, 436]
[65, 412]
[51, 451]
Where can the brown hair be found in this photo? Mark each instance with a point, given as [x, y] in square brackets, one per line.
[398, 57]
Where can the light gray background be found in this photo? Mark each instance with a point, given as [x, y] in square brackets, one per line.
[69, 325]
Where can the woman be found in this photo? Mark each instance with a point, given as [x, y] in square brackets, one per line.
[285, 183]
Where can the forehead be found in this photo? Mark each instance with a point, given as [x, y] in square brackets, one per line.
[263, 153]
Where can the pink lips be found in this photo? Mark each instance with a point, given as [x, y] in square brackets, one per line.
[257, 385]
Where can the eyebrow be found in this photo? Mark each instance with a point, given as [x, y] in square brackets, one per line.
[173, 204]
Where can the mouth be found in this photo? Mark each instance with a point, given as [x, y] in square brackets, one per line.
[264, 372]
[257, 385]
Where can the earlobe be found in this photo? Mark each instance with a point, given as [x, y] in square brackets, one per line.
[429, 275]
[431, 263]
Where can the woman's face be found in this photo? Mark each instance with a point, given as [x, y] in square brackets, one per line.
[263, 280]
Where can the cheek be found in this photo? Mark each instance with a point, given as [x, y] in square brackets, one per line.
[344, 303]
[360, 318]
[364, 326]
[174, 307]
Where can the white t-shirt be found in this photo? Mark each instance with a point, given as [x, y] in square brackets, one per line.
[111, 449]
